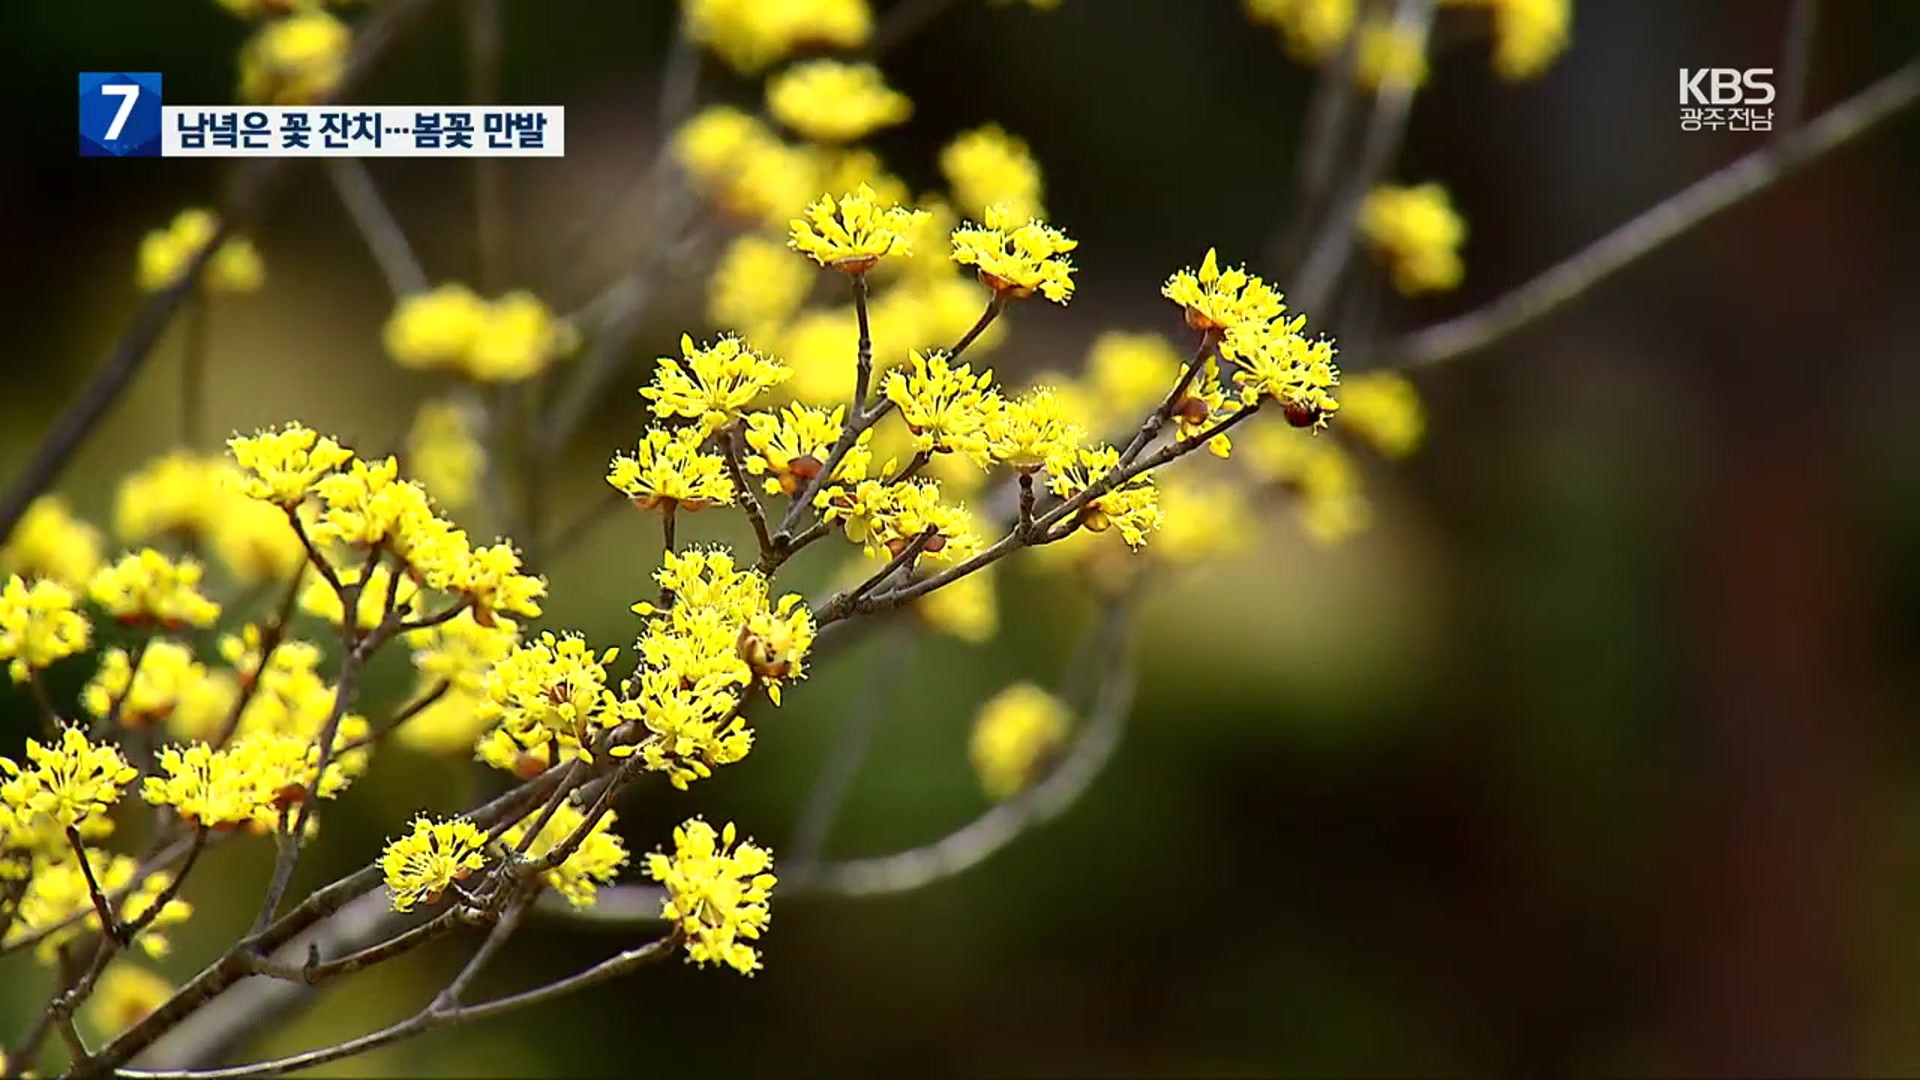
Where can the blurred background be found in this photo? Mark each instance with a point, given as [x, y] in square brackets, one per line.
[1597, 753]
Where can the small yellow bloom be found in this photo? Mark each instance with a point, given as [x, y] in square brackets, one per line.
[1132, 508]
[712, 383]
[752, 34]
[833, 102]
[123, 996]
[1390, 57]
[434, 329]
[1031, 429]
[165, 253]
[1528, 35]
[738, 162]
[147, 587]
[1016, 736]
[717, 893]
[670, 471]
[215, 789]
[757, 286]
[596, 862]
[947, 408]
[39, 625]
[298, 60]
[50, 542]
[1217, 299]
[283, 465]
[65, 781]
[852, 233]
[1417, 234]
[1383, 409]
[967, 608]
[423, 864]
[58, 906]
[1017, 260]
[1276, 363]
[518, 339]
[552, 685]
[791, 447]
[1312, 29]
[988, 167]
[167, 673]
[1319, 473]
[445, 455]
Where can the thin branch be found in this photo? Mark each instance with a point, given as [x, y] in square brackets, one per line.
[386, 240]
[750, 502]
[1796, 63]
[1328, 111]
[1626, 244]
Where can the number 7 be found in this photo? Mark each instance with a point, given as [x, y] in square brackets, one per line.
[128, 93]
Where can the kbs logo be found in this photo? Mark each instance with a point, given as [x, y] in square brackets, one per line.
[1726, 99]
[1726, 86]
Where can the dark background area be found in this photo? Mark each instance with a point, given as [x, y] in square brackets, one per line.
[1597, 754]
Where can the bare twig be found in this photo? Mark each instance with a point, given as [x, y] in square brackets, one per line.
[1693, 205]
[386, 240]
[1796, 63]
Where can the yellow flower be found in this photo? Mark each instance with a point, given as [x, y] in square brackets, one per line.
[444, 454]
[792, 446]
[1383, 409]
[178, 493]
[38, 625]
[368, 505]
[757, 285]
[1322, 476]
[66, 781]
[253, 539]
[1133, 507]
[774, 642]
[51, 543]
[832, 102]
[751, 34]
[423, 864]
[1217, 299]
[1415, 231]
[518, 339]
[888, 517]
[596, 862]
[1031, 429]
[1390, 57]
[147, 587]
[717, 893]
[58, 906]
[166, 673]
[461, 650]
[854, 232]
[1017, 260]
[123, 996]
[739, 162]
[716, 382]
[552, 685]
[987, 167]
[298, 60]
[947, 408]
[669, 471]
[1528, 35]
[215, 789]
[966, 608]
[449, 724]
[434, 329]
[1313, 29]
[1276, 363]
[165, 253]
[1015, 738]
[1205, 518]
[283, 465]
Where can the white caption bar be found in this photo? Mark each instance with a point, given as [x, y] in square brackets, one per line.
[267, 131]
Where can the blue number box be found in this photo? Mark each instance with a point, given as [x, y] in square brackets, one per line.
[119, 114]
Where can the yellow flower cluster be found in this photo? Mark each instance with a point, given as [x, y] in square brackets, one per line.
[444, 453]
[123, 996]
[148, 694]
[429, 859]
[1528, 35]
[855, 231]
[790, 447]
[296, 60]
[1417, 234]
[164, 254]
[51, 543]
[196, 500]
[38, 625]
[947, 408]
[1271, 360]
[1383, 409]
[1132, 507]
[64, 782]
[753, 34]
[671, 470]
[831, 102]
[1312, 29]
[1323, 477]
[717, 893]
[595, 862]
[549, 694]
[1017, 260]
[450, 328]
[1390, 57]
[716, 382]
[988, 167]
[457, 654]
[58, 904]
[1015, 738]
[147, 588]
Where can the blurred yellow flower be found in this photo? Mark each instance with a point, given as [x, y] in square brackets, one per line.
[986, 167]
[833, 102]
[296, 60]
[164, 254]
[1016, 736]
[1417, 234]
[51, 543]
